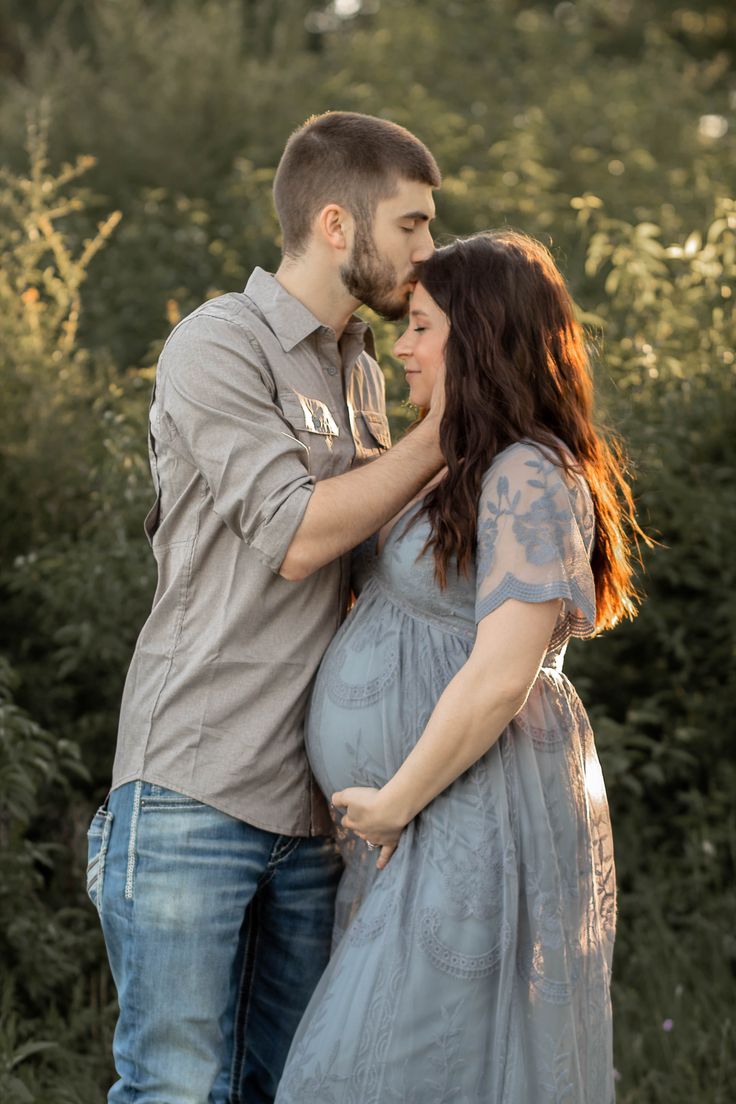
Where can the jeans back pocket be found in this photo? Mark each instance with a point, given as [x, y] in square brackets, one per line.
[98, 837]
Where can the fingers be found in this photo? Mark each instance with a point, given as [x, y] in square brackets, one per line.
[437, 400]
[386, 852]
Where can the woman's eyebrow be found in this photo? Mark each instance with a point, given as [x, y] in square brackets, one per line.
[418, 314]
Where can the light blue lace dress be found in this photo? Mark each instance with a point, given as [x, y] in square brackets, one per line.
[475, 968]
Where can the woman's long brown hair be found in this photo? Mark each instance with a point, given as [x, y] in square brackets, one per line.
[516, 368]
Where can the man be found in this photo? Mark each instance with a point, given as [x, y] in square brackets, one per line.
[212, 864]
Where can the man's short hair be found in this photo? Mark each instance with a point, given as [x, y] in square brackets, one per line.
[345, 158]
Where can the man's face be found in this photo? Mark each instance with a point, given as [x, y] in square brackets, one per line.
[380, 269]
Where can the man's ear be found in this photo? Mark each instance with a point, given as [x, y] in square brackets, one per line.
[334, 225]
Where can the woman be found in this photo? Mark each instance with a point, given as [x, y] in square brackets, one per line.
[473, 964]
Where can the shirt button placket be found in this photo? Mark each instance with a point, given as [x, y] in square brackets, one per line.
[329, 351]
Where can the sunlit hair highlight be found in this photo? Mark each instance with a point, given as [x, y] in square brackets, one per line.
[517, 369]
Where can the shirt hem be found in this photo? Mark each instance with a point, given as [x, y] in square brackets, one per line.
[206, 799]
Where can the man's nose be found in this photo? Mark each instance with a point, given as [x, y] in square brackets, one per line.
[424, 249]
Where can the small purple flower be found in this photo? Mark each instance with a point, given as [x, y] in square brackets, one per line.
[667, 1025]
[616, 1075]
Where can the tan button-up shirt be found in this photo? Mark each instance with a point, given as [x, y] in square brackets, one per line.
[254, 400]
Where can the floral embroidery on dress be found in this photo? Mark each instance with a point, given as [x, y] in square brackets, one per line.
[465, 966]
[546, 522]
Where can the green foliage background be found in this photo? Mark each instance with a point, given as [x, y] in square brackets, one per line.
[606, 127]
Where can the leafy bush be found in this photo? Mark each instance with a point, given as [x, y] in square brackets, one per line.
[50, 946]
[603, 128]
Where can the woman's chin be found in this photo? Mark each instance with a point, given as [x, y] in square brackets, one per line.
[416, 398]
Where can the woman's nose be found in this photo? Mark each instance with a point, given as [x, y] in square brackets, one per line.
[400, 349]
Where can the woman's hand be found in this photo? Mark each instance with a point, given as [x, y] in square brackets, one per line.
[367, 814]
[436, 408]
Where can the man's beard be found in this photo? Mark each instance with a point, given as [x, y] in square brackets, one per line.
[371, 279]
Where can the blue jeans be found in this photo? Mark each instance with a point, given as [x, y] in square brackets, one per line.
[217, 933]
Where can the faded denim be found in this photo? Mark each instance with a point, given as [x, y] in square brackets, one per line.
[217, 933]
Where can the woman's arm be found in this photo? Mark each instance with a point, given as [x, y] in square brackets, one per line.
[475, 708]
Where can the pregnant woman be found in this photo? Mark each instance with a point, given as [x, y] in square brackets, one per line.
[472, 962]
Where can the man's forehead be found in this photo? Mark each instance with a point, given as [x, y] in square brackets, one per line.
[412, 199]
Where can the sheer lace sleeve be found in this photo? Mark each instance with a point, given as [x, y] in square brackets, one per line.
[535, 535]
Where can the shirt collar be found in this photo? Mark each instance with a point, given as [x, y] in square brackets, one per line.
[289, 319]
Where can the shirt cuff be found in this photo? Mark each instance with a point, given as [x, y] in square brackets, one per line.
[271, 542]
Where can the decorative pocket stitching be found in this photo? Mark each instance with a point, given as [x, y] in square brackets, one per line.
[151, 803]
[99, 829]
[132, 842]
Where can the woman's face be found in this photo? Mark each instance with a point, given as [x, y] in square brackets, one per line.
[421, 347]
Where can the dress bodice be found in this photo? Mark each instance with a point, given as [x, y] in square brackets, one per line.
[405, 575]
[535, 533]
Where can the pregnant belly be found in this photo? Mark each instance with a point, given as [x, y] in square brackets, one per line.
[375, 690]
[355, 700]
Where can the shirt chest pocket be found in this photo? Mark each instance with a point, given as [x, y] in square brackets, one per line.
[371, 433]
[312, 421]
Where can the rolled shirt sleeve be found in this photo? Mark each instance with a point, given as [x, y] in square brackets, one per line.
[217, 411]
